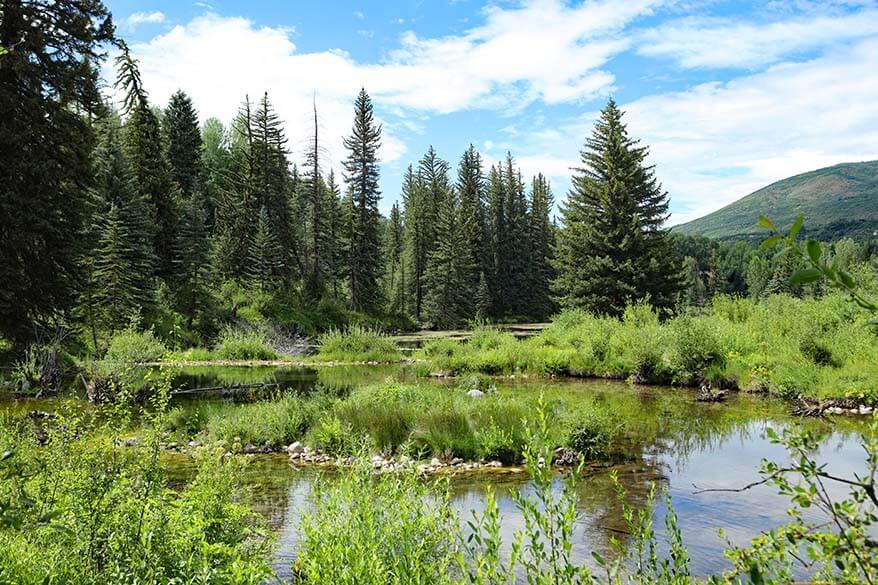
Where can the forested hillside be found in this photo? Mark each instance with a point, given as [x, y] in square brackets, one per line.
[839, 201]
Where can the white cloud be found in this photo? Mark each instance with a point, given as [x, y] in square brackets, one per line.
[134, 20]
[789, 119]
[541, 50]
[717, 142]
[709, 42]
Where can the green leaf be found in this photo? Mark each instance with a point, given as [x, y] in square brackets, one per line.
[797, 226]
[846, 279]
[770, 242]
[805, 276]
[597, 557]
[814, 251]
[3, 50]
[6, 455]
[767, 223]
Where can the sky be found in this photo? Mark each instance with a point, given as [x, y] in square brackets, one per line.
[728, 95]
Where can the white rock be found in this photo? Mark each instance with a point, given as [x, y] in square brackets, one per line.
[475, 393]
[865, 409]
[494, 464]
[296, 448]
[435, 462]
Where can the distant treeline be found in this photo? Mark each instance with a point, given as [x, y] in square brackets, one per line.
[137, 215]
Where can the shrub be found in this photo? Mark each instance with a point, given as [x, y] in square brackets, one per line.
[357, 344]
[446, 431]
[130, 346]
[334, 436]
[389, 530]
[589, 433]
[237, 344]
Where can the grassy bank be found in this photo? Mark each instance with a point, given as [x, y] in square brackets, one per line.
[788, 347]
[420, 421]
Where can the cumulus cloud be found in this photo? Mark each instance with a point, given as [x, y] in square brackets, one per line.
[712, 142]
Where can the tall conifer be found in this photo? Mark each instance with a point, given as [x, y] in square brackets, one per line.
[361, 174]
[614, 249]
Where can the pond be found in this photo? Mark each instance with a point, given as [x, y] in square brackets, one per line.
[674, 441]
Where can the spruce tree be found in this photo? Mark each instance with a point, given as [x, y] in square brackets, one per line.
[48, 92]
[515, 248]
[215, 161]
[542, 246]
[314, 201]
[334, 254]
[236, 207]
[272, 186]
[120, 258]
[152, 173]
[415, 252]
[394, 243]
[471, 186]
[184, 144]
[497, 234]
[613, 249]
[447, 303]
[361, 174]
[192, 296]
[425, 193]
[265, 264]
[117, 294]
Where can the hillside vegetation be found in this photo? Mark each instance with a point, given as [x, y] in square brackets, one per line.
[839, 201]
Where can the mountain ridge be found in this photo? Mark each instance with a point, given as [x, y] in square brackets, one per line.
[837, 201]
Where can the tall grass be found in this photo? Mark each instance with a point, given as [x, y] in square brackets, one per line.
[237, 344]
[357, 344]
[812, 347]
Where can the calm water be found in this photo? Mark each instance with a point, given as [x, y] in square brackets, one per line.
[676, 444]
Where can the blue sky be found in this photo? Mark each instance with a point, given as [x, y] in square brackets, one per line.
[730, 96]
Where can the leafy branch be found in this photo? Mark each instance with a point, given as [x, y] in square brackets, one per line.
[817, 261]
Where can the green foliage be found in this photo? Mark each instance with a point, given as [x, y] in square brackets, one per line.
[131, 346]
[275, 422]
[614, 249]
[361, 173]
[92, 511]
[357, 344]
[386, 530]
[49, 96]
[589, 433]
[238, 344]
[790, 347]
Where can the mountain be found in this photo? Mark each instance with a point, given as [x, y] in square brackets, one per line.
[837, 201]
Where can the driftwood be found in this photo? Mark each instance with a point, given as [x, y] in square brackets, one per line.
[224, 390]
[707, 394]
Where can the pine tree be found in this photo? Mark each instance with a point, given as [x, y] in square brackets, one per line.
[542, 246]
[395, 272]
[237, 207]
[446, 303]
[415, 253]
[120, 258]
[361, 174]
[613, 249]
[48, 92]
[471, 186]
[497, 234]
[335, 232]
[215, 161]
[184, 144]
[272, 186]
[265, 255]
[118, 291]
[152, 173]
[314, 200]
